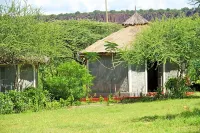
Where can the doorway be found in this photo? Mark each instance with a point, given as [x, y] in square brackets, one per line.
[155, 76]
[152, 77]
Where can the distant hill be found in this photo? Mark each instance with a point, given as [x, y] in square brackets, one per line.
[121, 16]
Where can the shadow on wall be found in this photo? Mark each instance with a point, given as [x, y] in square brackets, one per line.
[171, 67]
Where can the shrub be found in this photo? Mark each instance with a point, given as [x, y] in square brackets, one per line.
[62, 102]
[71, 82]
[101, 99]
[16, 102]
[55, 104]
[110, 99]
[176, 87]
[88, 100]
[20, 103]
[37, 98]
[159, 94]
[77, 103]
[6, 104]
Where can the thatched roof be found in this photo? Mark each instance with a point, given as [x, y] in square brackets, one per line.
[26, 60]
[123, 38]
[136, 19]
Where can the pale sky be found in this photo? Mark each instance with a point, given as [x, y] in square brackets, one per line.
[71, 6]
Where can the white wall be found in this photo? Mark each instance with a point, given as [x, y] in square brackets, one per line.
[138, 80]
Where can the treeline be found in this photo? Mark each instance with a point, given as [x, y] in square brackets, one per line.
[121, 16]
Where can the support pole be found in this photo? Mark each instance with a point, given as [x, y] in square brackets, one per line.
[87, 64]
[130, 79]
[34, 76]
[18, 77]
[146, 77]
[106, 7]
[164, 89]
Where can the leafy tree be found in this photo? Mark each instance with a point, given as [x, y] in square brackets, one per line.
[194, 70]
[78, 35]
[174, 40]
[25, 38]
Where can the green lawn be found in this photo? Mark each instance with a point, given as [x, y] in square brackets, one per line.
[173, 116]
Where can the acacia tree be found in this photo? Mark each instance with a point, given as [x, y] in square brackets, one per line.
[26, 39]
[173, 40]
[78, 35]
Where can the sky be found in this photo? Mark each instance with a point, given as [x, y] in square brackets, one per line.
[71, 6]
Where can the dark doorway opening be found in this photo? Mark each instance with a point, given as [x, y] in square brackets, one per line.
[152, 77]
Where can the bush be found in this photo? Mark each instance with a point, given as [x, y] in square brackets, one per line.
[176, 87]
[19, 100]
[6, 104]
[37, 98]
[71, 82]
[16, 102]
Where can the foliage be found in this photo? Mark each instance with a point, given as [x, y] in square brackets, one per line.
[159, 94]
[88, 100]
[20, 103]
[18, 8]
[111, 47]
[16, 102]
[37, 98]
[80, 34]
[110, 99]
[176, 87]
[194, 70]
[71, 82]
[92, 56]
[26, 38]
[101, 99]
[6, 104]
[32, 99]
[54, 105]
[167, 40]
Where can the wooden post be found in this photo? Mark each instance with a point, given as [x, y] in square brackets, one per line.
[130, 79]
[87, 64]
[18, 77]
[164, 79]
[106, 6]
[34, 76]
[146, 77]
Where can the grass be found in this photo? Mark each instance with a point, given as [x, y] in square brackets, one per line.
[170, 116]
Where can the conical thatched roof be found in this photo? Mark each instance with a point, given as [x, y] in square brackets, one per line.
[123, 38]
[136, 19]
